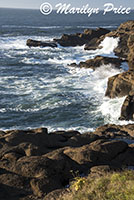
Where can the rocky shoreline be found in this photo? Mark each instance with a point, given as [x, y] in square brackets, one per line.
[38, 165]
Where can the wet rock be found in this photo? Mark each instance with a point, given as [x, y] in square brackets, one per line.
[93, 44]
[122, 49]
[120, 85]
[99, 61]
[127, 110]
[35, 43]
[80, 39]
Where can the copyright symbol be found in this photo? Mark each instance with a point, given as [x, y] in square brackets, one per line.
[46, 8]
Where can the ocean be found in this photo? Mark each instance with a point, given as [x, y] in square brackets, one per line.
[39, 89]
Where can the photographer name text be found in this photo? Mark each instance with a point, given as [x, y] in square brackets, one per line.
[46, 8]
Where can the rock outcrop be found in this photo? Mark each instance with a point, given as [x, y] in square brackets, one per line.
[38, 165]
[35, 43]
[98, 61]
[120, 85]
[80, 39]
[131, 52]
[124, 31]
[127, 110]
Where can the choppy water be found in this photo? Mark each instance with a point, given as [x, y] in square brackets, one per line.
[37, 88]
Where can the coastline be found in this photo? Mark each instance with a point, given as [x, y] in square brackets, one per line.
[35, 163]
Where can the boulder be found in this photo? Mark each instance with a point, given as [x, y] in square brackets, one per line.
[35, 43]
[80, 39]
[120, 85]
[98, 152]
[98, 61]
[127, 110]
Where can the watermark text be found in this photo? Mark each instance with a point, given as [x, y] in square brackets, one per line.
[63, 8]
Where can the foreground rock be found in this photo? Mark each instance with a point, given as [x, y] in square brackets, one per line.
[127, 110]
[120, 85]
[35, 43]
[98, 61]
[80, 39]
[34, 164]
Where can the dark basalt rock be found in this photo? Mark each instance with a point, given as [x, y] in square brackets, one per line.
[131, 52]
[35, 164]
[80, 39]
[127, 110]
[93, 44]
[98, 61]
[120, 85]
[122, 49]
[35, 43]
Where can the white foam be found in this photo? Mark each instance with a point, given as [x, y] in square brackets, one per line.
[109, 44]
[31, 27]
[111, 109]
[19, 42]
[84, 84]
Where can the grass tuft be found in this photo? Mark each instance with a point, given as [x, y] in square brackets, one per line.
[110, 186]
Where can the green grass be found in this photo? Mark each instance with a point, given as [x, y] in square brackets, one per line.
[110, 186]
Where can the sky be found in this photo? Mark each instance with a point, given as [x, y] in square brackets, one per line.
[35, 4]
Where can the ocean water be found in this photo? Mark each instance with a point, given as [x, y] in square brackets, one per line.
[39, 89]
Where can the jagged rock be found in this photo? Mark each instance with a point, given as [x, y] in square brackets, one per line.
[98, 61]
[35, 43]
[93, 44]
[127, 110]
[126, 26]
[120, 85]
[131, 52]
[80, 39]
[122, 49]
[123, 32]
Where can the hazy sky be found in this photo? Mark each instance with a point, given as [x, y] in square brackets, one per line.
[35, 4]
